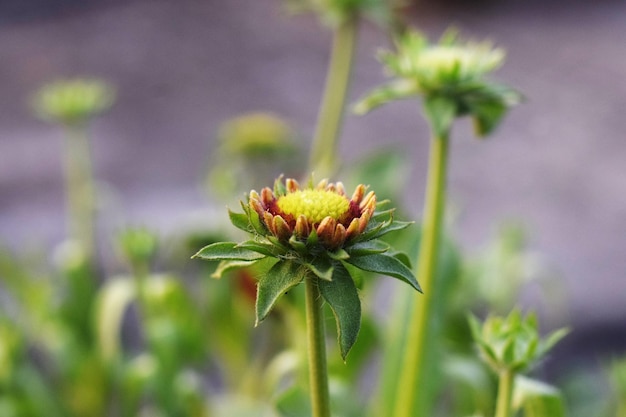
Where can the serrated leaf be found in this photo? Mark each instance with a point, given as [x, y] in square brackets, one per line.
[322, 268]
[342, 297]
[226, 251]
[225, 266]
[386, 265]
[283, 276]
[369, 247]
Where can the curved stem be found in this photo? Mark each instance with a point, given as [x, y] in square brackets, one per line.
[318, 376]
[413, 376]
[323, 151]
[505, 393]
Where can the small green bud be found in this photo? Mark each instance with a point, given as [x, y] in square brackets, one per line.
[137, 245]
[512, 343]
[71, 102]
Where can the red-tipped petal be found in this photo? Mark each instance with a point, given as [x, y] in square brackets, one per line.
[322, 184]
[302, 228]
[369, 201]
[353, 228]
[364, 220]
[267, 196]
[341, 190]
[357, 196]
[340, 236]
[283, 231]
[268, 219]
[326, 229]
[292, 185]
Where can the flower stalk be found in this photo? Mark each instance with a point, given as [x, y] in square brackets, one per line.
[506, 380]
[316, 344]
[323, 160]
[413, 372]
[80, 188]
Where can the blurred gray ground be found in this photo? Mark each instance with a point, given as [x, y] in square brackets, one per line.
[182, 67]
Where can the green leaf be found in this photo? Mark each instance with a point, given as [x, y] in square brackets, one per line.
[487, 117]
[386, 265]
[440, 112]
[369, 247]
[283, 276]
[343, 298]
[264, 248]
[380, 229]
[394, 90]
[339, 255]
[225, 266]
[293, 402]
[226, 251]
[537, 399]
[321, 267]
[240, 221]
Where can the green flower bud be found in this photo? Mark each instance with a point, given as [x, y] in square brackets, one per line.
[72, 102]
[512, 343]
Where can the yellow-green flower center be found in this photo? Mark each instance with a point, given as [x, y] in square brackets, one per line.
[314, 204]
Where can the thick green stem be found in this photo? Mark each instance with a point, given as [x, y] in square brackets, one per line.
[505, 393]
[413, 376]
[318, 376]
[80, 189]
[323, 153]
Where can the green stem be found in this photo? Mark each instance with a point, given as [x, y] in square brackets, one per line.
[505, 393]
[80, 189]
[413, 378]
[318, 376]
[323, 153]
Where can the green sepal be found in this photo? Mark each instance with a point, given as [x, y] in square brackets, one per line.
[338, 255]
[394, 90]
[377, 228]
[283, 276]
[322, 268]
[342, 297]
[394, 226]
[440, 112]
[312, 239]
[297, 244]
[240, 221]
[279, 187]
[227, 251]
[276, 242]
[254, 219]
[386, 265]
[225, 266]
[369, 247]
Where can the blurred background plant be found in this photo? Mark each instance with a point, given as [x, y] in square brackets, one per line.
[153, 339]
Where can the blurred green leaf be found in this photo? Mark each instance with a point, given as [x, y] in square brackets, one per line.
[537, 399]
